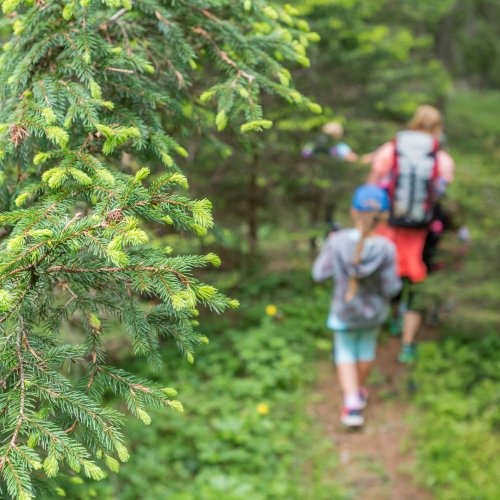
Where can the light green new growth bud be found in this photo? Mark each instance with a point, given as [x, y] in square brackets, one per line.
[40, 158]
[315, 108]
[122, 452]
[18, 27]
[117, 257]
[80, 177]
[49, 116]
[143, 416]
[9, 5]
[99, 453]
[6, 301]
[127, 4]
[60, 492]
[167, 159]
[180, 150]
[205, 340]
[270, 12]
[190, 357]
[206, 96]
[214, 259]
[205, 291]
[296, 97]
[86, 57]
[115, 50]
[36, 465]
[313, 37]
[32, 441]
[199, 230]
[304, 40]
[3, 127]
[167, 219]
[178, 178]
[194, 312]
[202, 213]
[284, 80]
[257, 125]
[96, 323]
[6, 46]
[10, 79]
[105, 176]
[291, 10]
[243, 92]
[85, 3]
[285, 17]
[57, 135]
[41, 233]
[148, 68]
[303, 25]
[112, 463]
[177, 405]
[93, 471]
[195, 323]
[68, 11]
[105, 130]
[141, 174]
[192, 64]
[15, 243]
[168, 250]
[221, 121]
[108, 104]
[234, 303]
[51, 466]
[304, 61]
[169, 391]
[95, 90]
[247, 5]
[24, 495]
[21, 199]
[77, 480]
[178, 302]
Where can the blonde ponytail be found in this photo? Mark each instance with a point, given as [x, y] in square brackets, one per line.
[368, 222]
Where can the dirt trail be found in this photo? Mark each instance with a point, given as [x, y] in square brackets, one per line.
[373, 465]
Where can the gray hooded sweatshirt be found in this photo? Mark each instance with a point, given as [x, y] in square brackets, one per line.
[376, 273]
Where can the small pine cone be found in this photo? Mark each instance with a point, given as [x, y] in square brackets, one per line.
[114, 215]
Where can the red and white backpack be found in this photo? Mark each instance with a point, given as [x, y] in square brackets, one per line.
[413, 179]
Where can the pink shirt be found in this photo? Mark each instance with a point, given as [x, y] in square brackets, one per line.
[383, 162]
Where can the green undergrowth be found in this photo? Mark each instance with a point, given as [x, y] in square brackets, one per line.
[458, 429]
[245, 432]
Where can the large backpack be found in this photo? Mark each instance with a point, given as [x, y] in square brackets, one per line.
[413, 178]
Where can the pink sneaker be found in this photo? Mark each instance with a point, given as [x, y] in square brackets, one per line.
[351, 418]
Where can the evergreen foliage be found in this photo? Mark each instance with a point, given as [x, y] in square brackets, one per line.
[81, 84]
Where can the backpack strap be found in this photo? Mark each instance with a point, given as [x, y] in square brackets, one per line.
[394, 173]
[435, 174]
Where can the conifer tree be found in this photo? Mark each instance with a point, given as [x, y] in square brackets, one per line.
[81, 83]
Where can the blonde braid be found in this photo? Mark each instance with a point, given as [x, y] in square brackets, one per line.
[368, 221]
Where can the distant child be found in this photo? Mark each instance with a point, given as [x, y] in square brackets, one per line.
[329, 143]
[363, 265]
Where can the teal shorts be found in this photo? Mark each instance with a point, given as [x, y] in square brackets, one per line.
[352, 346]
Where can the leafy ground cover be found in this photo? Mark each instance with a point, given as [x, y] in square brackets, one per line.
[245, 432]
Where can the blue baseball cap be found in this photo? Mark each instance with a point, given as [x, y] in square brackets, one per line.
[370, 197]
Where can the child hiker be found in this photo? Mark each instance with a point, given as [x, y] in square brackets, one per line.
[329, 143]
[363, 265]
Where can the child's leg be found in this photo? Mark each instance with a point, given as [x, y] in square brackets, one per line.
[345, 359]
[366, 351]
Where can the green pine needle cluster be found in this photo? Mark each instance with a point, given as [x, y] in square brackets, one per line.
[81, 84]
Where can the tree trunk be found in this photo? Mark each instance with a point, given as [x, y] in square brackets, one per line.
[252, 203]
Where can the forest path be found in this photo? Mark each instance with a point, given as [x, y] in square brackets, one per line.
[374, 464]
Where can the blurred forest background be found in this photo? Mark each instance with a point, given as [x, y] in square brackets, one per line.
[246, 432]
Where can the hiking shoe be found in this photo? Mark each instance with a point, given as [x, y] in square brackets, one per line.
[351, 418]
[408, 353]
[396, 326]
[363, 395]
